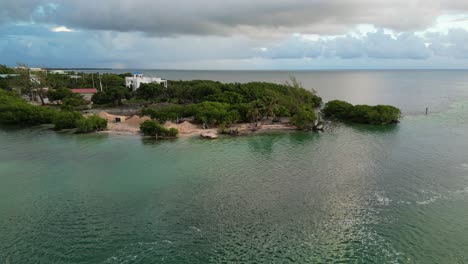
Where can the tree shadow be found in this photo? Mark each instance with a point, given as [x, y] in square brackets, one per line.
[303, 137]
[151, 141]
[375, 129]
[264, 143]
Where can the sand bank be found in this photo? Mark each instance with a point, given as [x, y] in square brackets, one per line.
[131, 126]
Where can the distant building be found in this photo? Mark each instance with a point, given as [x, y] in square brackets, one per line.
[8, 75]
[87, 93]
[58, 72]
[37, 70]
[31, 69]
[137, 79]
[74, 77]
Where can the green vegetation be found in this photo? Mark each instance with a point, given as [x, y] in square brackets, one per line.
[16, 111]
[153, 129]
[83, 80]
[215, 113]
[113, 95]
[215, 103]
[5, 70]
[59, 94]
[168, 112]
[73, 119]
[27, 83]
[304, 119]
[91, 124]
[364, 114]
[172, 132]
[66, 119]
[67, 98]
[209, 103]
[151, 92]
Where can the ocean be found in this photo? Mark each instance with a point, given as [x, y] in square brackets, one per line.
[352, 194]
[411, 90]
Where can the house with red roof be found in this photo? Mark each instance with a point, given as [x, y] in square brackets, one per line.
[87, 93]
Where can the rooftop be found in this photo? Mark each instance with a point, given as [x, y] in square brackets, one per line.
[84, 90]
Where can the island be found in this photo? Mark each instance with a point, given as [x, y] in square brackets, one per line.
[168, 108]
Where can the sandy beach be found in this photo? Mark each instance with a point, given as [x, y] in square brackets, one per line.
[131, 126]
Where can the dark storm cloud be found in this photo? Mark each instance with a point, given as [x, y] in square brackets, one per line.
[214, 17]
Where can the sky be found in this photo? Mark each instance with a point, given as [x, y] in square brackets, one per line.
[240, 34]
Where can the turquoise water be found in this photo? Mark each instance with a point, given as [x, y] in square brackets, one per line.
[354, 194]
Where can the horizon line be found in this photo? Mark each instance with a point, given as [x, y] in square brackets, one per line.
[175, 69]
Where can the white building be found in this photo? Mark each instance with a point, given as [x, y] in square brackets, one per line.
[31, 69]
[57, 72]
[137, 79]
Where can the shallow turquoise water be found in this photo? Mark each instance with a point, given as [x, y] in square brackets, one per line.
[355, 194]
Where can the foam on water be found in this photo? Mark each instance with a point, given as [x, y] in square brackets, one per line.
[381, 199]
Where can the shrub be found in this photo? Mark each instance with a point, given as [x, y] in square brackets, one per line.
[365, 114]
[153, 129]
[69, 103]
[66, 119]
[112, 95]
[101, 98]
[150, 91]
[162, 115]
[375, 115]
[304, 118]
[172, 132]
[59, 94]
[215, 113]
[169, 113]
[15, 111]
[91, 124]
[289, 96]
[6, 70]
[338, 109]
[149, 128]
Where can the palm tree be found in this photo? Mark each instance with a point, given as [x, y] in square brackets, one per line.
[269, 106]
[294, 83]
[255, 111]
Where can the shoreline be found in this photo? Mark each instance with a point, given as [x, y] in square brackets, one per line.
[130, 125]
[197, 130]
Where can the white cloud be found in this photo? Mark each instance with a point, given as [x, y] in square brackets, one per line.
[379, 45]
[167, 33]
[61, 29]
[214, 17]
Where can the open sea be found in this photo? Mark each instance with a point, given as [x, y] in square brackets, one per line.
[352, 194]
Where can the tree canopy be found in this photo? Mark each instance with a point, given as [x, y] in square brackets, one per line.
[216, 103]
[365, 114]
[16, 111]
[5, 70]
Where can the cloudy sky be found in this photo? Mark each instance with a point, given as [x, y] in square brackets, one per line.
[240, 34]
